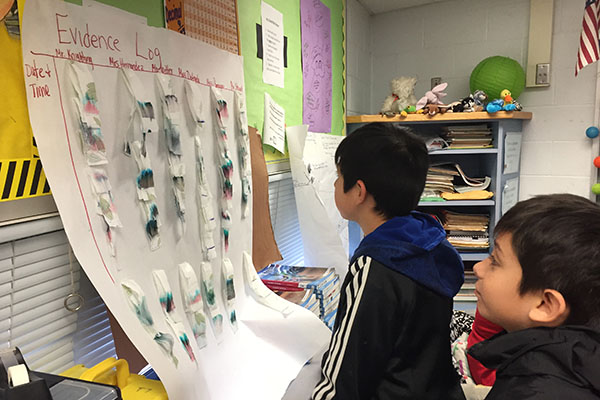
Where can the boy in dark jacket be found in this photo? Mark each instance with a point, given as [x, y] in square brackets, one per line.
[542, 285]
[391, 334]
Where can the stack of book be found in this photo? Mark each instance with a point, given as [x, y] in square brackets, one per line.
[467, 231]
[314, 288]
[468, 136]
[450, 178]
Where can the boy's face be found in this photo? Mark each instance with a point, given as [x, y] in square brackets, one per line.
[497, 287]
[342, 200]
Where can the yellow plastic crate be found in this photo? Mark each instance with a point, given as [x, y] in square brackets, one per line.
[116, 372]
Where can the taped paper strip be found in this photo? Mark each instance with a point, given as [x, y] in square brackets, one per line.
[226, 165]
[86, 105]
[92, 144]
[179, 330]
[137, 302]
[142, 119]
[263, 294]
[17, 375]
[206, 212]
[172, 126]
[194, 306]
[243, 151]
[228, 291]
[165, 295]
[143, 108]
[208, 292]
[146, 194]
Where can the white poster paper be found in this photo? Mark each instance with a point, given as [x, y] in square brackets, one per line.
[272, 34]
[324, 231]
[267, 351]
[274, 134]
[510, 194]
[272, 41]
[512, 152]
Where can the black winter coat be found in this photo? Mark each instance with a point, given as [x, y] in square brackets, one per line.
[543, 363]
[391, 340]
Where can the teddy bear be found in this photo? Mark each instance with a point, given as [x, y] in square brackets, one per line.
[403, 95]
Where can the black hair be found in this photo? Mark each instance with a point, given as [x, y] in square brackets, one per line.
[556, 239]
[390, 160]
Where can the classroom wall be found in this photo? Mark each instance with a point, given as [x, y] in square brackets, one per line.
[358, 59]
[448, 39]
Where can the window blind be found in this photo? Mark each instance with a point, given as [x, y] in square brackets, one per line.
[284, 218]
[35, 278]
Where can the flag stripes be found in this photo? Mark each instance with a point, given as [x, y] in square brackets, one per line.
[589, 51]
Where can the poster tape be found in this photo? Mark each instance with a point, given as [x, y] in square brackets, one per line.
[18, 375]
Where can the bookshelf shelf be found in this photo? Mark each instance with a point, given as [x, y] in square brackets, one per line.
[475, 162]
[457, 203]
[463, 151]
[442, 118]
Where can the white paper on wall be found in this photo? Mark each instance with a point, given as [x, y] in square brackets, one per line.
[272, 41]
[267, 347]
[274, 134]
[324, 231]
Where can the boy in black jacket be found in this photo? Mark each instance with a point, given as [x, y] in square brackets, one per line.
[542, 285]
[391, 334]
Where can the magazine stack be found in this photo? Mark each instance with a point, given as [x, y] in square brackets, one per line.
[314, 288]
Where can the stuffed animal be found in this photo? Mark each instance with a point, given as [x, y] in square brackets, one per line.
[433, 96]
[403, 95]
[506, 103]
[480, 100]
[433, 109]
[465, 105]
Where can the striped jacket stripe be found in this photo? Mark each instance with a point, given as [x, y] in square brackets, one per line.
[325, 390]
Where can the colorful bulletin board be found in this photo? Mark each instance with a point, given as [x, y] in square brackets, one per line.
[290, 96]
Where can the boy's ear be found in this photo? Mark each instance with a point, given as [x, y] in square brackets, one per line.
[362, 190]
[551, 310]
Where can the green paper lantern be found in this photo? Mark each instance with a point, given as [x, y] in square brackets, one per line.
[494, 74]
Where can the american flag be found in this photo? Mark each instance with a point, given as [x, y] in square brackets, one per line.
[589, 51]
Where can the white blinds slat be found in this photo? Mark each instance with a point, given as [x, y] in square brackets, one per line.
[62, 314]
[284, 217]
[39, 242]
[59, 349]
[44, 287]
[4, 300]
[60, 292]
[5, 277]
[36, 355]
[4, 316]
[6, 264]
[60, 364]
[6, 250]
[26, 229]
[42, 254]
[41, 265]
[45, 276]
[43, 337]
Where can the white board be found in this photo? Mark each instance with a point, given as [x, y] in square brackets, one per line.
[267, 351]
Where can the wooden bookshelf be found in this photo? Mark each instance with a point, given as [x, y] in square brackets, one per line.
[449, 117]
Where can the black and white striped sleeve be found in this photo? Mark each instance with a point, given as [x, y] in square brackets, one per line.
[350, 350]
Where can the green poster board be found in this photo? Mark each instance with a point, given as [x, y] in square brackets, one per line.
[289, 97]
[151, 9]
